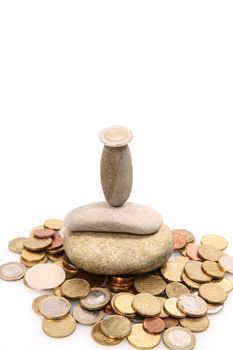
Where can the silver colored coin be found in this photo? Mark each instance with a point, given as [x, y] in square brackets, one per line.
[179, 338]
[87, 317]
[192, 305]
[54, 307]
[12, 271]
[96, 299]
[213, 309]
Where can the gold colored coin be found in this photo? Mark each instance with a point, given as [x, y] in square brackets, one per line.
[12, 271]
[192, 305]
[96, 299]
[209, 252]
[116, 326]
[37, 244]
[190, 283]
[59, 328]
[226, 263]
[32, 256]
[175, 289]
[198, 324]
[75, 288]
[53, 224]
[215, 240]
[212, 269]
[172, 271]
[87, 317]
[146, 304]
[30, 264]
[187, 234]
[36, 302]
[44, 276]
[123, 303]
[16, 245]
[226, 284]
[177, 338]
[55, 257]
[141, 339]
[181, 260]
[150, 284]
[213, 293]
[162, 313]
[102, 339]
[171, 308]
[193, 270]
[54, 307]
[57, 291]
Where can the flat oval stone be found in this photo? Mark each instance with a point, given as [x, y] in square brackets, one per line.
[100, 217]
[114, 254]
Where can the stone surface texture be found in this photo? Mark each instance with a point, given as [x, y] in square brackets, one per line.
[118, 253]
[100, 217]
[116, 174]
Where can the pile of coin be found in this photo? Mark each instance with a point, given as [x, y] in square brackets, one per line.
[171, 303]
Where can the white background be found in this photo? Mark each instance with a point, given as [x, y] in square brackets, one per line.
[69, 69]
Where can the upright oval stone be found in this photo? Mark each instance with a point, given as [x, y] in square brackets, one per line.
[116, 174]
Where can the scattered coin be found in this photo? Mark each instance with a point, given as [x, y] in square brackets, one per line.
[212, 269]
[172, 271]
[170, 322]
[192, 251]
[33, 229]
[32, 256]
[55, 244]
[192, 305]
[146, 304]
[68, 263]
[213, 293]
[193, 270]
[172, 309]
[179, 241]
[141, 339]
[87, 317]
[162, 313]
[187, 234]
[198, 324]
[175, 289]
[226, 284]
[44, 233]
[53, 224]
[75, 288]
[226, 263]
[59, 328]
[36, 244]
[96, 299]
[54, 307]
[190, 283]
[153, 324]
[57, 291]
[55, 257]
[214, 308]
[44, 276]
[181, 260]
[32, 263]
[209, 252]
[215, 240]
[177, 338]
[150, 284]
[16, 245]
[36, 302]
[102, 339]
[116, 326]
[12, 271]
[123, 303]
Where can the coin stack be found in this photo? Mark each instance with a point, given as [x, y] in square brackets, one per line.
[171, 303]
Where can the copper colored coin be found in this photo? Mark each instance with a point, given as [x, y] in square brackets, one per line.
[57, 242]
[170, 322]
[44, 233]
[192, 251]
[179, 241]
[153, 324]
